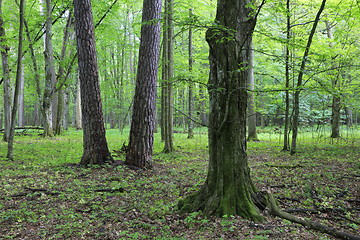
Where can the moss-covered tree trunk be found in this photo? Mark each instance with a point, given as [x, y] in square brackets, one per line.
[228, 188]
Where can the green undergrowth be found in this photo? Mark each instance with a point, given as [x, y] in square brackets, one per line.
[45, 194]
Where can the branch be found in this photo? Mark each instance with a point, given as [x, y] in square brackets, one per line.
[190, 118]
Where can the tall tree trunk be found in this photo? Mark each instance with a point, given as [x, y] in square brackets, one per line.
[95, 146]
[252, 134]
[21, 108]
[78, 114]
[143, 117]
[168, 73]
[61, 76]
[287, 77]
[190, 93]
[228, 189]
[6, 77]
[299, 85]
[336, 100]
[17, 83]
[49, 74]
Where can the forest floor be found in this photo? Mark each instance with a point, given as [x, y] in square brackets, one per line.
[45, 194]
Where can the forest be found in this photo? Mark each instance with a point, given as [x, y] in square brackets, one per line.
[180, 119]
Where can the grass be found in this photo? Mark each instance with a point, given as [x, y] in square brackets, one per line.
[46, 195]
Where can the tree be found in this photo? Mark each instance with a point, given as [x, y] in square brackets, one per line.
[228, 188]
[96, 149]
[190, 93]
[49, 74]
[143, 118]
[167, 78]
[300, 79]
[6, 77]
[252, 134]
[17, 81]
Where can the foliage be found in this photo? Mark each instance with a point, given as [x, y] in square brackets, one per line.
[45, 194]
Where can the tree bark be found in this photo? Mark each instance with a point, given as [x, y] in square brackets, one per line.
[17, 83]
[143, 117]
[252, 134]
[49, 74]
[95, 146]
[336, 100]
[6, 77]
[168, 73]
[61, 76]
[299, 85]
[190, 93]
[228, 189]
[287, 79]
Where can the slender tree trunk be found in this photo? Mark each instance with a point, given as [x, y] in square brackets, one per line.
[21, 108]
[143, 117]
[17, 83]
[61, 76]
[252, 134]
[190, 94]
[295, 125]
[287, 78]
[228, 189]
[6, 77]
[78, 114]
[96, 149]
[49, 74]
[336, 100]
[168, 73]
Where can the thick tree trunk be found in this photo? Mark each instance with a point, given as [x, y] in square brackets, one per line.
[96, 149]
[143, 118]
[6, 78]
[228, 189]
[49, 74]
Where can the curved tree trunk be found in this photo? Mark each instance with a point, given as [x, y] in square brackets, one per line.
[143, 118]
[96, 149]
[228, 188]
[300, 78]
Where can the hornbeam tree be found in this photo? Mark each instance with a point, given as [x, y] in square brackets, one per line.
[228, 189]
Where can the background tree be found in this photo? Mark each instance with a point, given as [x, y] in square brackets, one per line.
[228, 189]
[299, 84]
[18, 79]
[96, 150]
[143, 118]
[49, 74]
[6, 77]
[167, 77]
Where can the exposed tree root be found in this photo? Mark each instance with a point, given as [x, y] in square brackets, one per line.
[275, 210]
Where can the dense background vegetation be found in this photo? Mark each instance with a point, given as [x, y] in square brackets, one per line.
[332, 67]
